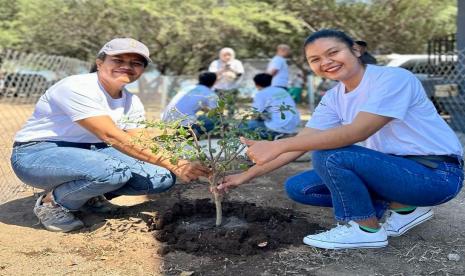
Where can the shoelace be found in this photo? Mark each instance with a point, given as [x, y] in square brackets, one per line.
[60, 213]
[339, 230]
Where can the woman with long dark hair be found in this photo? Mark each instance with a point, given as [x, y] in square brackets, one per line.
[411, 160]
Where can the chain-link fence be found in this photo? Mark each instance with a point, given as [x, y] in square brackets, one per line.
[23, 79]
[444, 81]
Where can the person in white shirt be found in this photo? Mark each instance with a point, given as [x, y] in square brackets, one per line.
[278, 68]
[229, 71]
[268, 101]
[78, 144]
[185, 105]
[412, 159]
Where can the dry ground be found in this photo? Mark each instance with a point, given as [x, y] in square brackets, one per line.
[121, 245]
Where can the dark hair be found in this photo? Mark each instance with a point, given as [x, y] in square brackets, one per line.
[336, 34]
[262, 79]
[207, 78]
[330, 33]
[100, 56]
[361, 43]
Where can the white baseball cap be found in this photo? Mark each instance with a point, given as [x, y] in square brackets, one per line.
[126, 45]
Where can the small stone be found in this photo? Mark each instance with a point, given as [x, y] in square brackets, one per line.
[453, 257]
[71, 263]
[187, 273]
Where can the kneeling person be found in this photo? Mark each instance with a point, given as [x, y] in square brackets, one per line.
[185, 105]
[271, 123]
[78, 144]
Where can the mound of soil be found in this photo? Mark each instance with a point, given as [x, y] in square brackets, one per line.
[246, 229]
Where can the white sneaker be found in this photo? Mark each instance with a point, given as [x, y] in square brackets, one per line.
[397, 224]
[56, 218]
[347, 236]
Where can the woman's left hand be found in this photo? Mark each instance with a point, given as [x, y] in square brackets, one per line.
[261, 152]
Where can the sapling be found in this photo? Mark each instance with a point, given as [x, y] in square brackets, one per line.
[185, 142]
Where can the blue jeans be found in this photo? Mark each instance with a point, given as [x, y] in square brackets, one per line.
[207, 125]
[77, 174]
[359, 183]
[259, 127]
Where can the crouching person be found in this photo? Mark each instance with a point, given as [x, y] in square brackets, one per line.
[412, 159]
[78, 144]
[271, 122]
[185, 105]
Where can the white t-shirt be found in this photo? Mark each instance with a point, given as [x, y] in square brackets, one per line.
[187, 104]
[75, 98]
[417, 128]
[270, 99]
[228, 79]
[282, 76]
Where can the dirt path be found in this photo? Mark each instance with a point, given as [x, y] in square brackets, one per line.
[120, 244]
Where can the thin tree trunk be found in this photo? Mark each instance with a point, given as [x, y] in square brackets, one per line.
[217, 198]
[219, 211]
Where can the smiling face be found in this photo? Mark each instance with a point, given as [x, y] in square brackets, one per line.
[120, 69]
[330, 58]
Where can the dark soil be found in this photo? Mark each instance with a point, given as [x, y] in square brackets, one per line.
[246, 229]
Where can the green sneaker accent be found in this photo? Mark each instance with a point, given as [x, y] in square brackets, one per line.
[405, 210]
[369, 229]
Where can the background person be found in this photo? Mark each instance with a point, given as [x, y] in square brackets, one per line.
[267, 101]
[277, 67]
[365, 56]
[185, 105]
[412, 157]
[78, 143]
[228, 71]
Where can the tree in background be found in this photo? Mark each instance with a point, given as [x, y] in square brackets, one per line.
[8, 23]
[185, 36]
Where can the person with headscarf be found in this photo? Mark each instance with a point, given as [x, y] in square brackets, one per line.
[228, 71]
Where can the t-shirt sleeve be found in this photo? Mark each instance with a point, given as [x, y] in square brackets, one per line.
[259, 102]
[213, 66]
[392, 95]
[275, 63]
[78, 104]
[325, 115]
[135, 115]
[239, 68]
[210, 101]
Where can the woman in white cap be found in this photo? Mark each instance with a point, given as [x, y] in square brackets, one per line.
[77, 145]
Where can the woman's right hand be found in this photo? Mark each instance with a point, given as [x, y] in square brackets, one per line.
[232, 181]
[188, 171]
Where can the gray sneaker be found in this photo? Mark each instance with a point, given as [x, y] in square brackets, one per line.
[99, 204]
[56, 218]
